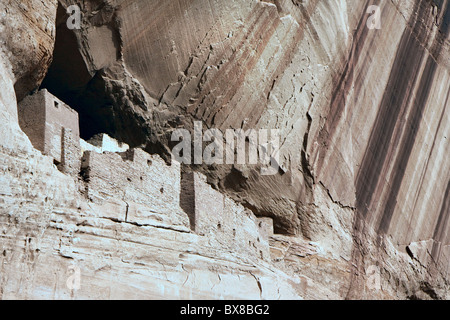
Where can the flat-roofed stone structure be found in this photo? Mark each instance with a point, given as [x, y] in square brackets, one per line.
[43, 117]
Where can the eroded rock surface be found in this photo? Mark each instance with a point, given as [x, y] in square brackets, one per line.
[27, 42]
[363, 116]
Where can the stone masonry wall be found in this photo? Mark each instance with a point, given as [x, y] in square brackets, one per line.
[43, 117]
[70, 153]
[136, 187]
[31, 114]
[226, 222]
[141, 188]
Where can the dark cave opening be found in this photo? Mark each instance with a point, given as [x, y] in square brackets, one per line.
[69, 79]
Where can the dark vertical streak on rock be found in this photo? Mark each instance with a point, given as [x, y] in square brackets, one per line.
[408, 143]
[389, 130]
[338, 100]
[344, 84]
[393, 103]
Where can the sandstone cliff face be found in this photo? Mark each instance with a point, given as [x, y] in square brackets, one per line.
[363, 116]
[28, 36]
[26, 47]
